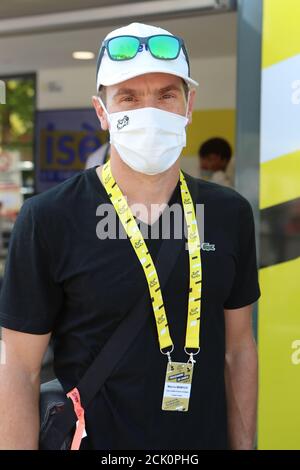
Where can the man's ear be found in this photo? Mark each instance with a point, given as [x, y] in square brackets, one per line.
[191, 104]
[100, 113]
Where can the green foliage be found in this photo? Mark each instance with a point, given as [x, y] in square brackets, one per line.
[17, 115]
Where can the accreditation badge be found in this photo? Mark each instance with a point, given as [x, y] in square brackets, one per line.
[178, 385]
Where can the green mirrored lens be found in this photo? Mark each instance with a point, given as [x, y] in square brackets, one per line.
[123, 48]
[164, 47]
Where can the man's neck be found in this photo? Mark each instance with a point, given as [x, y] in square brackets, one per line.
[145, 190]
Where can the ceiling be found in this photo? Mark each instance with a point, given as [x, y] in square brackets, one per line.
[17, 8]
[205, 36]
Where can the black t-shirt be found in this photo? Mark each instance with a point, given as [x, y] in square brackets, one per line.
[61, 277]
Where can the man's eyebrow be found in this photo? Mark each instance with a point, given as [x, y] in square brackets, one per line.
[160, 91]
[172, 87]
[125, 91]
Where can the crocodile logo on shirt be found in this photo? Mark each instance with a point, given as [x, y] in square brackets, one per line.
[208, 246]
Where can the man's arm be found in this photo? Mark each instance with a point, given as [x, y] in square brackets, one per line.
[241, 377]
[19, 389]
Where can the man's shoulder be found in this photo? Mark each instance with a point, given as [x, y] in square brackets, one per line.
[207, 191]
[60, 197]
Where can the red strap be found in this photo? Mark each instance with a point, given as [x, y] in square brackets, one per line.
[80, 425]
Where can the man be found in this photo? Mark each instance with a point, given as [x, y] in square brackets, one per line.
[216, 161]
[62, 279]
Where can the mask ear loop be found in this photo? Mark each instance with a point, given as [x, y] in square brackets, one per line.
[187, 104]
[107, 115]
[105, 110]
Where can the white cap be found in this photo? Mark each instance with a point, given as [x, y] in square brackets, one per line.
[112, 72]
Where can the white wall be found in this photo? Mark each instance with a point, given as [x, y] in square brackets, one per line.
[217, 82]
[65, 88]
[73, 87]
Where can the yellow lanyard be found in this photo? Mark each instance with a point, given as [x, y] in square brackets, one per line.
[192, 339]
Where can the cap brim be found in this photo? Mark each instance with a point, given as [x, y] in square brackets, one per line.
[122, 77]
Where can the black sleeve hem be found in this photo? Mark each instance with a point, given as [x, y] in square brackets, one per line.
[243, 303]
[12, 323]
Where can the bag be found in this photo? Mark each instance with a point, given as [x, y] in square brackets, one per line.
[52, 401]
[57, 416]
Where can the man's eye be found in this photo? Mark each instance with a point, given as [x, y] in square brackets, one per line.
[167, 96]
[128, 98]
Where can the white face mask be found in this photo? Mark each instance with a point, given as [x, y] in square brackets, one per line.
[149, 140]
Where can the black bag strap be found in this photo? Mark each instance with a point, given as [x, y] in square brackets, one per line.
[128, 329]
[117, 345]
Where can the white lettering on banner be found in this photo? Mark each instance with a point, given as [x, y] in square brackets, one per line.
[296, 92]
[295, 358]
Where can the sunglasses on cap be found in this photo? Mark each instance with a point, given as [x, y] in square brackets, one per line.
[160, 46]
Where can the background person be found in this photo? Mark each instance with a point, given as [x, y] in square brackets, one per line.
[216, 161]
